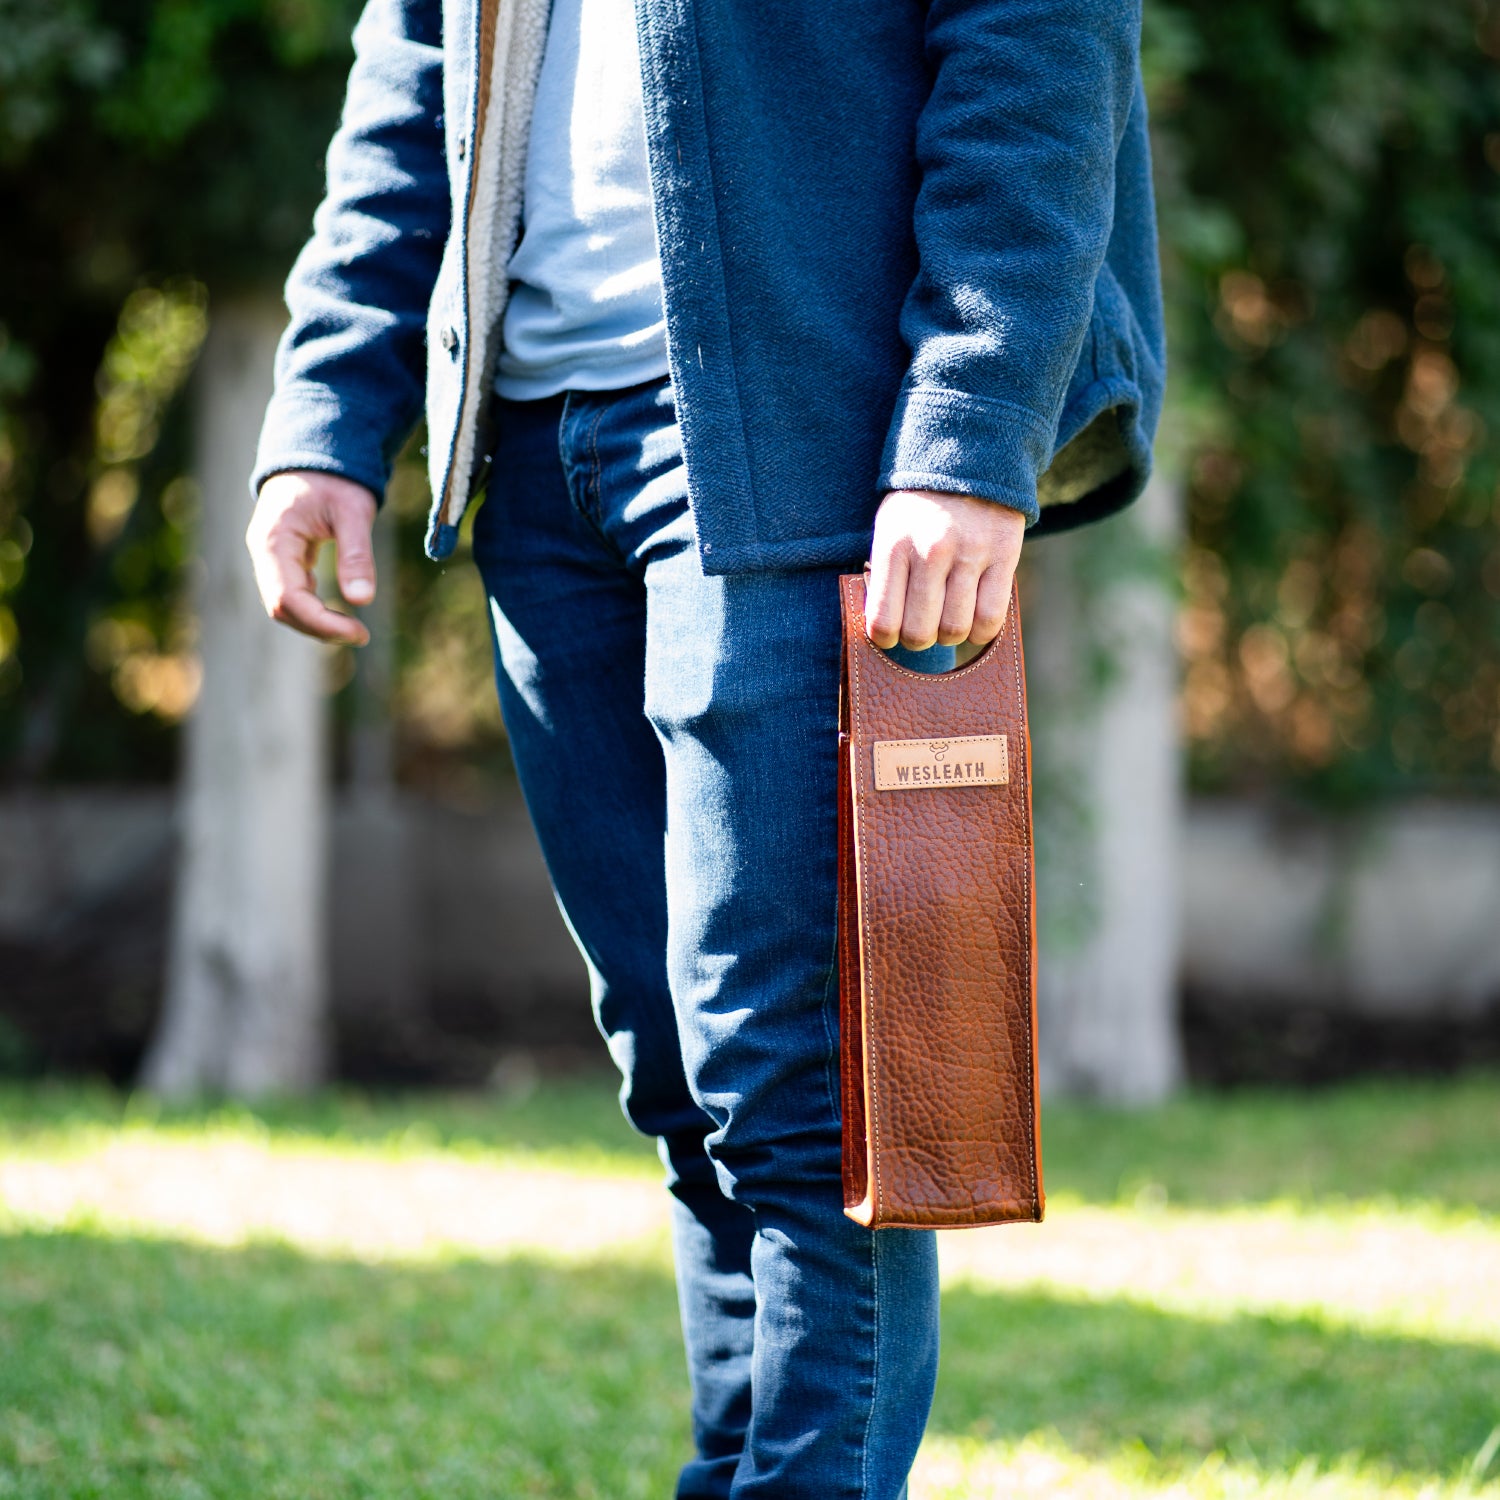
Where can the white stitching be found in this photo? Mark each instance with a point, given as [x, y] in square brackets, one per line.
[982, 660]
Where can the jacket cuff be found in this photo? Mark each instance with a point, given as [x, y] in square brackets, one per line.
[965, 445]
[311, 428]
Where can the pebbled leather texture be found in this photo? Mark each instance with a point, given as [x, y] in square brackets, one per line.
[937, 947]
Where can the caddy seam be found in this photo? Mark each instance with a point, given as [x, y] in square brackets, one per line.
[1024, 757]
[872, 1112]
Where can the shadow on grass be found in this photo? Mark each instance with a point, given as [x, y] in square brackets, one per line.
[139, 1368]
[130, 1366]
[1275, 1390]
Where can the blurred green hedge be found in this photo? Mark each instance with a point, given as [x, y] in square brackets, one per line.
[148, 149]
[1329, 176]
[1332, 214]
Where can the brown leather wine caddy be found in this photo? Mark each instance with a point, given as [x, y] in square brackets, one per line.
[937, 937]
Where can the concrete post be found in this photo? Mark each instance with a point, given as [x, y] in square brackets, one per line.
[246, 982]
[1102, 682]
[377, 968]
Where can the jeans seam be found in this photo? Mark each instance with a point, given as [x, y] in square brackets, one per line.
[864, 1457]
[598, 478]
[830, 1031]
[580, 505]
[564, 418]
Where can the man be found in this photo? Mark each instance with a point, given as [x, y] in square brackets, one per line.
[720, 298]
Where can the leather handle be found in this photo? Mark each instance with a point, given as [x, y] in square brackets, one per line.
[857, 637]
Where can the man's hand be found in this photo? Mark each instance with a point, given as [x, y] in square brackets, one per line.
[941, 569]
[295, 514]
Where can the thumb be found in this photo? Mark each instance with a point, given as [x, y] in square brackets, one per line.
[352, 527]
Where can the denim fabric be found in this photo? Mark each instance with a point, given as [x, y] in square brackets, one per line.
[907, 244]
[675, 737]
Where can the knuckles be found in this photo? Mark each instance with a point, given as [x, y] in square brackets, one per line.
[935, 552]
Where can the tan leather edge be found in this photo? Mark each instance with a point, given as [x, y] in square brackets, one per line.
[855, 639]
[1018, 659]
[1036, 1089]
[862, 1212]
[854, 1083]
[872, 1170]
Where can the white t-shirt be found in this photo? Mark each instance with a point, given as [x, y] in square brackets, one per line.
[585, 309]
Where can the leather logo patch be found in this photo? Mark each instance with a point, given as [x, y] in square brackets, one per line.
[916, 765]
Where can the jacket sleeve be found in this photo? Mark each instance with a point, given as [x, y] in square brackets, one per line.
[349, 370]
[1016, 147]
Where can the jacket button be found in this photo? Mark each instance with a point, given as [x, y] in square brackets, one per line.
[448, 338]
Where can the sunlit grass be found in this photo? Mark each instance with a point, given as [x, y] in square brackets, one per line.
[1258, 1296]
[1353, 1266]
[1043, 1467]
[1269, 1393]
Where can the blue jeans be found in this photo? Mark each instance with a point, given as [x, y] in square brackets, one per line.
[675, 738]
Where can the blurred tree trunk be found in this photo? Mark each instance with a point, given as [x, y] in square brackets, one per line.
[246, 981]
[377, 968]
[1102, 674]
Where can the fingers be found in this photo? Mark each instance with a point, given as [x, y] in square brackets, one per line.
[292, 597]
[294, 515]
[940, 569]
[926, 591]
[956, 613]
[992, 603]
[885, 594]
[352, 526]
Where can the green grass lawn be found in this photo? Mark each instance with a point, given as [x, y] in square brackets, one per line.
[1414, 1142]
[136, 1363]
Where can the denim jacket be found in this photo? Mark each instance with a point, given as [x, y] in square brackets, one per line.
[904, 245]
